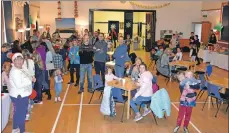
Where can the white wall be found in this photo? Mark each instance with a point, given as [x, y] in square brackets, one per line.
[178, 16]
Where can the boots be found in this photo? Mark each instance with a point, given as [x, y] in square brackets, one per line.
[49, 94]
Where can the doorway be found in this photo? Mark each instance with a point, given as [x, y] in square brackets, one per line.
[129, 22]
[197, 29]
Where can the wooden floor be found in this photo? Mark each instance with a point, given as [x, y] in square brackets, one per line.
[75, 115]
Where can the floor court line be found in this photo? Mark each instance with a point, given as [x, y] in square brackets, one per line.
[80, 113]
[100, 104]
[189, 122]
[60, 110]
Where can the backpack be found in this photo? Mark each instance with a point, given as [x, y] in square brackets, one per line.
[155, 88]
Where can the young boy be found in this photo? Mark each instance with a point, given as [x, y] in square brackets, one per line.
[64, 54]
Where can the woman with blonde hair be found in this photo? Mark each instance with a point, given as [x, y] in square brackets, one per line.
[39, 74]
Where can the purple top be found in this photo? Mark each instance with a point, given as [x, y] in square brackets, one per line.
[42, 52]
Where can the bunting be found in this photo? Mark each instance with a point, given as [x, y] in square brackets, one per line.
[59, 10]
[149, 6]
[76, 9]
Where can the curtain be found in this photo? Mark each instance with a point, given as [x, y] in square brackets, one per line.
[26, 19]
[7, 5]
[128, 24]
[114, 24]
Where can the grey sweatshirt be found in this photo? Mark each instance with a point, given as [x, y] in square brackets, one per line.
[101, 51]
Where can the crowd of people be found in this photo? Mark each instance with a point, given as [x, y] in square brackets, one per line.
[27, 68]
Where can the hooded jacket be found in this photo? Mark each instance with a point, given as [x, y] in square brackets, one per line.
[145, 81]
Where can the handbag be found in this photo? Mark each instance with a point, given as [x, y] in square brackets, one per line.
[49, 66]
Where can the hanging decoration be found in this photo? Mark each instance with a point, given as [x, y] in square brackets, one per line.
[76, 9]
[59, 10]
[148, 6]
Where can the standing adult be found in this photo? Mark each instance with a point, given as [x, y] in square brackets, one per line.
[100, 56]
[86, 58]
[74, 62]
[212, 39]
[35, 36]
[197, 44]
[27, 45]
[192, 36]
[121, 57]
[20, 88]
[95, 38]
[113, 35]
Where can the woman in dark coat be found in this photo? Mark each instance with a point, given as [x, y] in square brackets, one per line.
[27, 45]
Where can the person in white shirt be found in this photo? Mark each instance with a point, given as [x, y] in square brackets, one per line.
[144, 93]
[178, 56]
[20, 88]
[28, 62]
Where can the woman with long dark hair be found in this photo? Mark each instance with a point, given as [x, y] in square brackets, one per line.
[16, 47]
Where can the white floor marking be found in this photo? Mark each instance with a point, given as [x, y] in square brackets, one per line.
[80, 104]
[80, 112]
[60, 110]
[190, 121]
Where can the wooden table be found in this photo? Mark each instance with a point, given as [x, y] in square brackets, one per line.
[128, 86]
[186, 64]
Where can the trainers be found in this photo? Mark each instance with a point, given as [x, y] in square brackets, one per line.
[146, 112]
[70, 82]
[176, 129]
[186, 130]
[79, 92]
[55, 99]
[39, 102]
[137, 118]
[76, 84]
[16, 130]
[90, 91]
[59, 100]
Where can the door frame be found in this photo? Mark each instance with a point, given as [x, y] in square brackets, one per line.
[91, 16]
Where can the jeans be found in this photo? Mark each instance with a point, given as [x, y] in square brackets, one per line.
[100, 67]
[64, 69]
[184, 111]
[138, 101]
[83, 69]
[119, 71]
[20, 111]
[77, 67]
[58, 89]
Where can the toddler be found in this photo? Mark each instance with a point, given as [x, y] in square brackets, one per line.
[58, 84]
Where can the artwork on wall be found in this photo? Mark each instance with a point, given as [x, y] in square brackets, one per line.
[65, 25]
[18, 21]
[165, 32]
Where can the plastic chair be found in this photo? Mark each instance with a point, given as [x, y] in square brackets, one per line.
[203, 87]
[119, 98]
[98, 86]
[213, 92]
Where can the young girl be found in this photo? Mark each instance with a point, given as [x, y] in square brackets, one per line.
[187, 99]
[5, 76]
[58, 84]
[109, 76]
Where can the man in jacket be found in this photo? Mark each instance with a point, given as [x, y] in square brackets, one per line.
[100, 56]
[144, 93]
[86, 58]
[74, 62]
[121, 57]
[94, 39]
